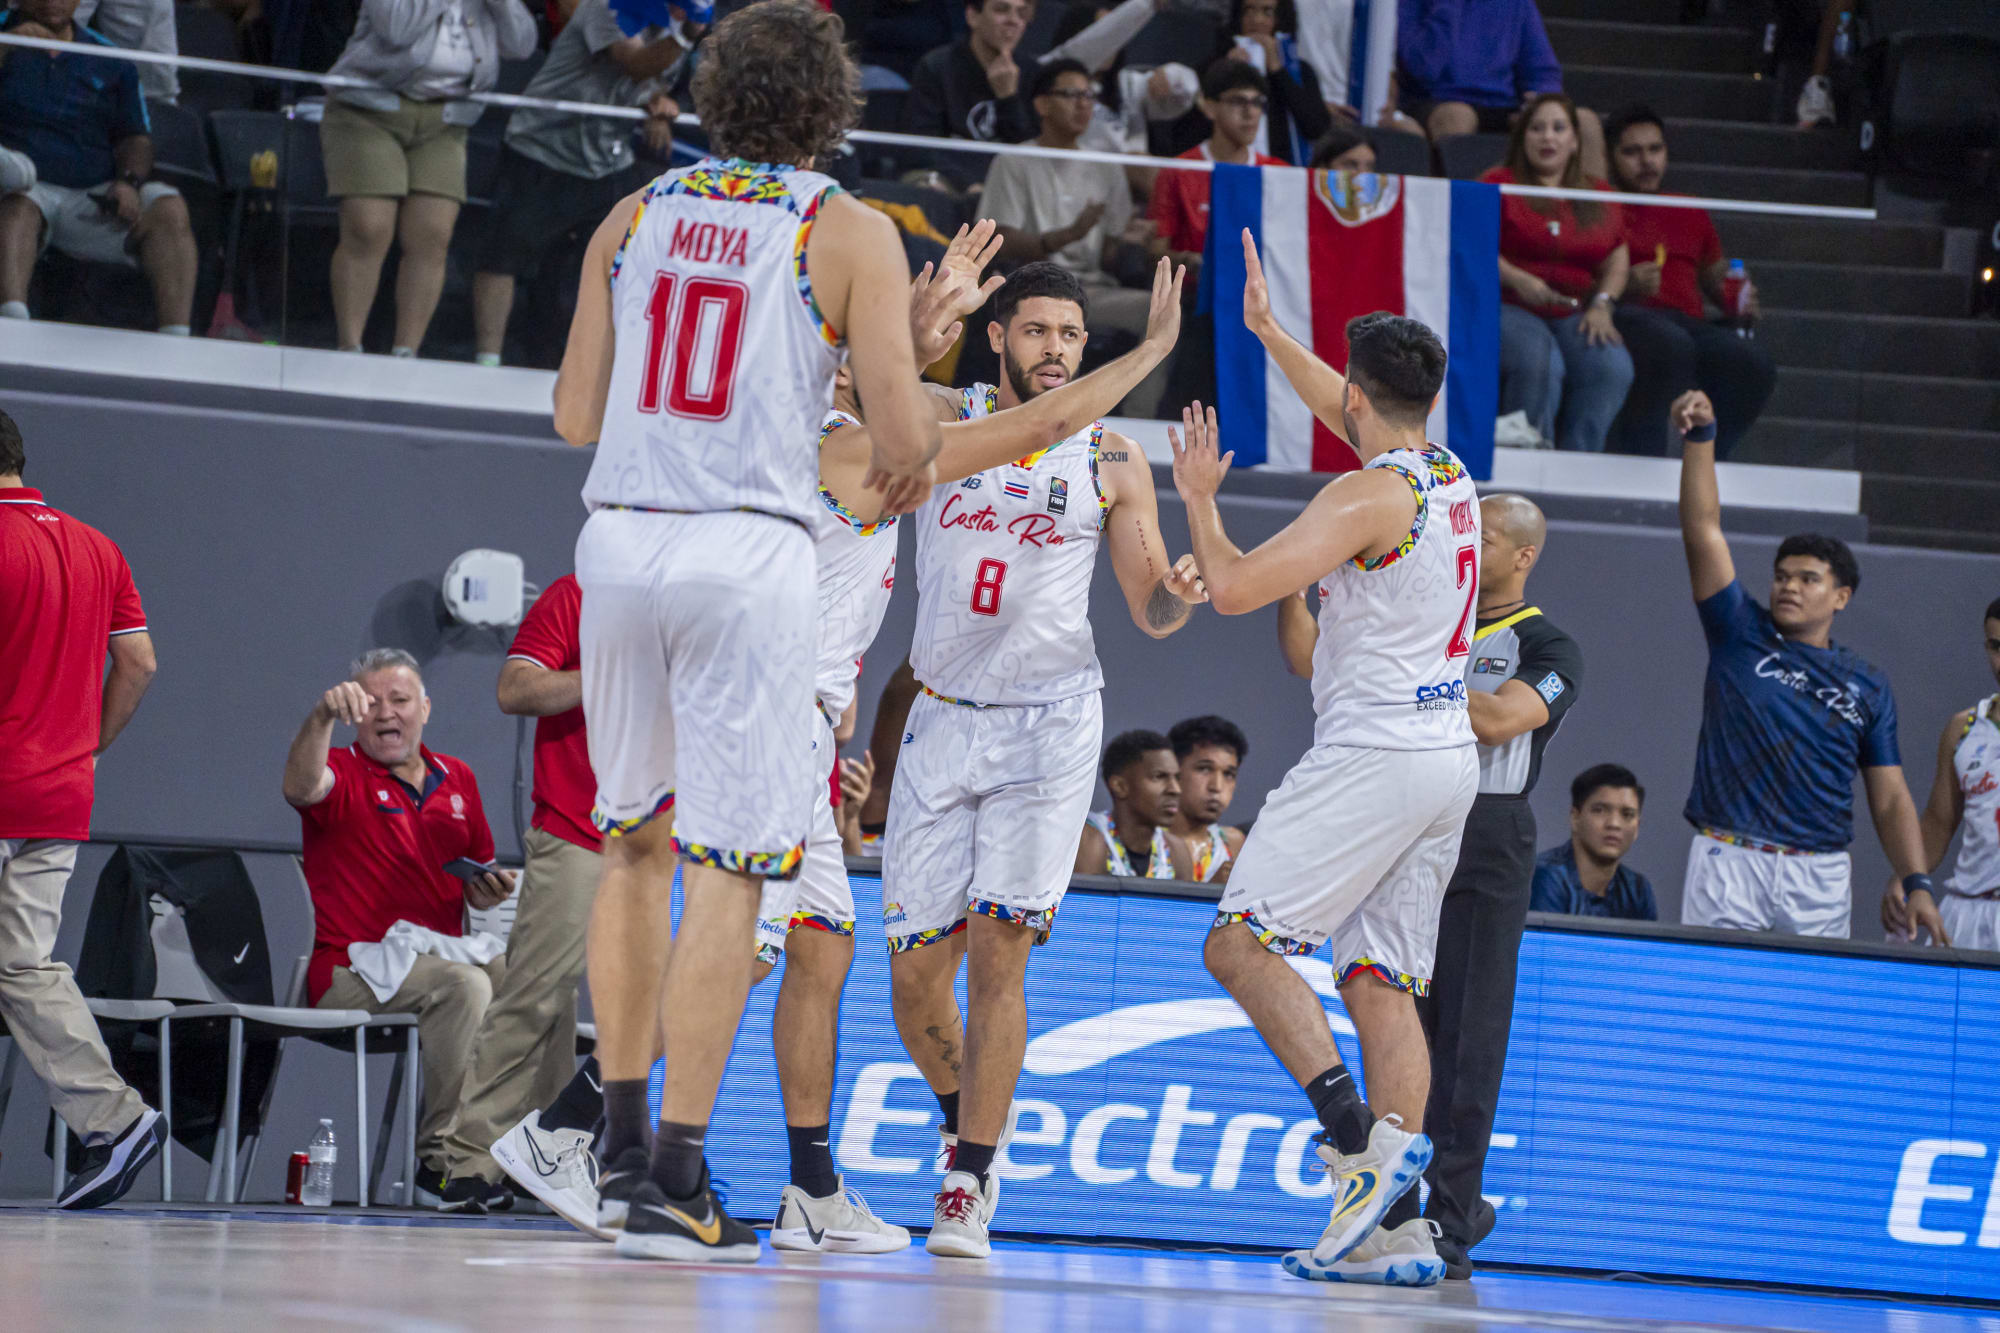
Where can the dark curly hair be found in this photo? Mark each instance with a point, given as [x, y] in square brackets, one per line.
[1208, 730]
[1839, 559]
[776, 83]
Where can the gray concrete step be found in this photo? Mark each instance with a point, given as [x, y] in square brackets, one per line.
[1949, 510]
[1886, 400]
[1652, 46]
[1883, 344]
[1771, 185]
[1755, 237]
[1944, 539]
[1735, 143]
[1790, 442]
[1863, 289]
[1670, 92]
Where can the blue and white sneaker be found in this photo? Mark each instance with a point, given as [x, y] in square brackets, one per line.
[1404, 1257]
[1365, 1184]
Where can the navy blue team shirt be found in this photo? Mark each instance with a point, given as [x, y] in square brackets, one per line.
[1784, 726]
[1559, 888]
[66, 111]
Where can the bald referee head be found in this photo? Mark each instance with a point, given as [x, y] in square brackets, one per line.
[1512, 531]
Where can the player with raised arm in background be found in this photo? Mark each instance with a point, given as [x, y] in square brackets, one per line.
[1355, 847]
[1001, 753]
[714, 309]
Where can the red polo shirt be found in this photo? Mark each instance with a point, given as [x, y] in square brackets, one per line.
[375, 856]
[1682, 241]
[565, 786]
[65, 589]
[1180, 200]
[1555, 246]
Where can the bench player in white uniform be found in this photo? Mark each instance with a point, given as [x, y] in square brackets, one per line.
[1354, 849]
[1211, 751]
[1966, 792]
[996, 776]
[709, 325]
[856, 551]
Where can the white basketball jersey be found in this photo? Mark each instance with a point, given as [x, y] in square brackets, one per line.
[1389, 667]
[1004, 561]
[857, 570]
[723, 365]
[1976, 760]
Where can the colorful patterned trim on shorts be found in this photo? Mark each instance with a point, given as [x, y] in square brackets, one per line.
[770, 953]
[1751, 844]
[770, 865]
[613, 828]
[1267, 937]
[962, 703]
[1400, 980]
[1040, 920]
[905, 943]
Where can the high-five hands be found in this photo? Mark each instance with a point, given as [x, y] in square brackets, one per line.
[1198, 470]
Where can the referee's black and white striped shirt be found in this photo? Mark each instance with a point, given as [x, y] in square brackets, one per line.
[1522, 645]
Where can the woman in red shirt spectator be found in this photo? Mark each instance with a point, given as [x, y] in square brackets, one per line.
[1562, 268]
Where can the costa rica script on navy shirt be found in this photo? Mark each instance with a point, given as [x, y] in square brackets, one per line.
[1784, 726]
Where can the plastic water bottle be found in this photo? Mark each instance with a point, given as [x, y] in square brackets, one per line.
[1735, 297]
[318, 1191]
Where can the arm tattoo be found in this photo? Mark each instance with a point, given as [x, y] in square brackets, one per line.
[1113, 455]
[1164, 609]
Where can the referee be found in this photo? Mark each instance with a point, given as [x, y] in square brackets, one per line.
[1521, 679]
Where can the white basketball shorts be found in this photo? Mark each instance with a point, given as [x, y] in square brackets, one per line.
[1735, 887]
[698, 637]
[1354, 850]
[1972, 923]
[820, 898]
[985, 815]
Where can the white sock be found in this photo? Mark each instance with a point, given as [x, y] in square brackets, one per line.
[488, 358]
[176, 330]
[14, 310]
[403, 353]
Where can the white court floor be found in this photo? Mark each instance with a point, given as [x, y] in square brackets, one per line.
[147, 1268]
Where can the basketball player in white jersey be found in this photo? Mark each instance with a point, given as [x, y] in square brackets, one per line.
[1965, 793]
[855, 544]
[1354, 849]
[995, 776]
[713, 312]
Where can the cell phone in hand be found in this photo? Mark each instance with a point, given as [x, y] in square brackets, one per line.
[468, 869]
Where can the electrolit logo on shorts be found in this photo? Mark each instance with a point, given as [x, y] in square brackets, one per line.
[1441, 697]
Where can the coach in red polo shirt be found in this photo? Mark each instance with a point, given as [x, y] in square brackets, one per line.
[526, 1049]
[66, 599]
[1676, 260]
[382, 818]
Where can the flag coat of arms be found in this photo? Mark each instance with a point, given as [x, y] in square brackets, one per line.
[1336, 246]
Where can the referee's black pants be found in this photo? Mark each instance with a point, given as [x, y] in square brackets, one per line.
[1470, 1009]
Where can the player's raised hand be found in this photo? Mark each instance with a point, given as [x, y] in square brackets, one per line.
[970, 253]
[1163, 316]
[1184, 581]
[1690, 411]
[1198, 471]
[933, 327]
[1257, 315]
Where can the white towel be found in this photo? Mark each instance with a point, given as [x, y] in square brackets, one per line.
[386, 966]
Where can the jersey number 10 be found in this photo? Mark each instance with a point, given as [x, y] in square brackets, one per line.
[692, 345]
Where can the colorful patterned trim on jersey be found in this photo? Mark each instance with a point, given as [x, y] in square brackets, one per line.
[770, 865]
[613, 828]
[833, 423]
[734, 180]
[1118, 858]
[1982, 709]
[1040, 920]
[905, 943]
[965, 397]
[1096, 484]
[1270, 939]
[618, 255]
[1212, 855]
[808, 216]
[1751, 844]
[1400, 980]
[1442, 469]
[962, 703]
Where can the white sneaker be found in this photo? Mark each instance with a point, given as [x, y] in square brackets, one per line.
[1365, 1184]
[958, 1225]
[1816, 102]
[556, 1167]
[17, 172]
[992, 1177]
[841, 1223]
[1405, 1257]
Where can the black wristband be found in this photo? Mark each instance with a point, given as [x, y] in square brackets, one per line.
[1700, 434]
[1918, 884]
[133, 179]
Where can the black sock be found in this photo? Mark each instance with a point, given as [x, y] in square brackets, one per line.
[580, 1102]
[976, 1158]
[812, 1159]
[1341, 1112]
[1403, 1209]
[626, 1117]
[677, 1151]
[948, 1103]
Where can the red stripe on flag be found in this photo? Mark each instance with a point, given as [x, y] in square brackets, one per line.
[1356, 270]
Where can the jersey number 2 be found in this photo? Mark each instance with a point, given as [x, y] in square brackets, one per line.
[692, 345]
[1468, 579]
[986, 587]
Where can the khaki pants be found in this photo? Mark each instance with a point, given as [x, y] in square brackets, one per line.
[526, 1049]
[448, 999]
[44, 1010]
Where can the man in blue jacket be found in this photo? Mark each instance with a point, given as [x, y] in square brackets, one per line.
[1586, 874]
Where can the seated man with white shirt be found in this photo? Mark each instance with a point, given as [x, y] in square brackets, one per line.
[382, 819]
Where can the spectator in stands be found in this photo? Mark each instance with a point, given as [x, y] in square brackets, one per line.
[972, 89]
[1077, 214]
[1343, 148]
[1587, 876]
[1262, 38]
[1130, 102]
[76, 166]
[382, 818]
[1233, 99]
[1131, 840]
[1210, 751]
[140, 25]
[1562, 269]
[1677, 260]
[1787, 717]
[70, 604]
[1473, 66]
[396, 159]
[560, 171]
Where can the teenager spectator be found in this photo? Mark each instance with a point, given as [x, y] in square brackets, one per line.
[1131, 839]
[1587, 875]
[1472, 66]
[140, 25]
[1261, 35]
[1343, 148]
[1788, 717]
[1562, 269]
[76, 167]
[1676, 261]
[1233, 99]
[1210, 751]
[395, 159]
[70, 605]
[559, 170]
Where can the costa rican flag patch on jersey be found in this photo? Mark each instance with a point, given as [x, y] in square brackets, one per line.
[1016, 490]
[1058, 495]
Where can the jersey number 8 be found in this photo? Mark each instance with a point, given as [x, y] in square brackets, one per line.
[986, 583]
[692, 345]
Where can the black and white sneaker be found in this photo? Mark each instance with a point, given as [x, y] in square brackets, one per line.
[108, 1169]
[615, 1187]
[694, 1230]
[471, 1195]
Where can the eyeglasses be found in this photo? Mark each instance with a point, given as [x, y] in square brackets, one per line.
[1072, 94]
[1251, 103]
